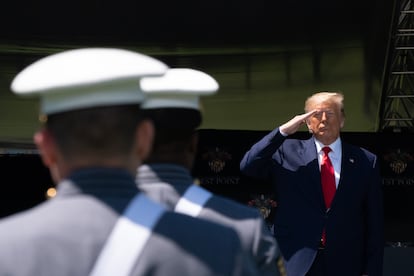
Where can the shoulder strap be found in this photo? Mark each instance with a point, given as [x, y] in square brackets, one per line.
[128, 238]
[192, 201]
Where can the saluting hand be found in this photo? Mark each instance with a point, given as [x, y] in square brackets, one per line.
[294, 124]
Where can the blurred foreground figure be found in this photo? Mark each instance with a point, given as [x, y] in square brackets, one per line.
[93, 139]
[173, 104]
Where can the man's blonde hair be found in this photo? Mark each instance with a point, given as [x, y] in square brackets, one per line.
[336, 98]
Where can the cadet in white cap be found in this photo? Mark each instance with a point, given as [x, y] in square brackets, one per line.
[173, 103]
[92, 141]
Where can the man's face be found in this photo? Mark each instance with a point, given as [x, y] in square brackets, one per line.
[326, 123]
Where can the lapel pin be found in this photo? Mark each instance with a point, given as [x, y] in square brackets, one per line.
[351, 160]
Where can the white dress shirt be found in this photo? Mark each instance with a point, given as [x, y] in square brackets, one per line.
[335, 155]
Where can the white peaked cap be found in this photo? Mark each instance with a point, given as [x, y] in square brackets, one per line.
[178, 88]
[86, 77]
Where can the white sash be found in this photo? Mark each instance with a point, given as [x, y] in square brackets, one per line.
[129, 236]
[193, 200]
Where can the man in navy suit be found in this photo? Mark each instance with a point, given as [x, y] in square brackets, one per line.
[345, 239]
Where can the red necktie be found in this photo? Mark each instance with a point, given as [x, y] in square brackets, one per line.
[328, 178]
[328, 182]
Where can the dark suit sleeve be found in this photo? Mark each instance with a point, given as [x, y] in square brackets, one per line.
[375, 227]
[257, 161]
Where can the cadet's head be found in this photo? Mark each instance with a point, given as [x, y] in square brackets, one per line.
[173, 103]
[90, 106]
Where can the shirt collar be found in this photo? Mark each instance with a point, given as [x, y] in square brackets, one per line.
[335, 146]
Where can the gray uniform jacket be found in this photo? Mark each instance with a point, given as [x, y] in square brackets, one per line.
[63, 236]
[166, 183]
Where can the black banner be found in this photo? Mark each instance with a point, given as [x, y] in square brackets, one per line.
[26, 180]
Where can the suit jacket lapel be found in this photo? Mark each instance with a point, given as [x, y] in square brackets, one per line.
[348, 162]
[349, 168]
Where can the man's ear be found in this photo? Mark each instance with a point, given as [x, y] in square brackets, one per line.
[342, 118]
[145, 137]
[45, 143]
[49, 152]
